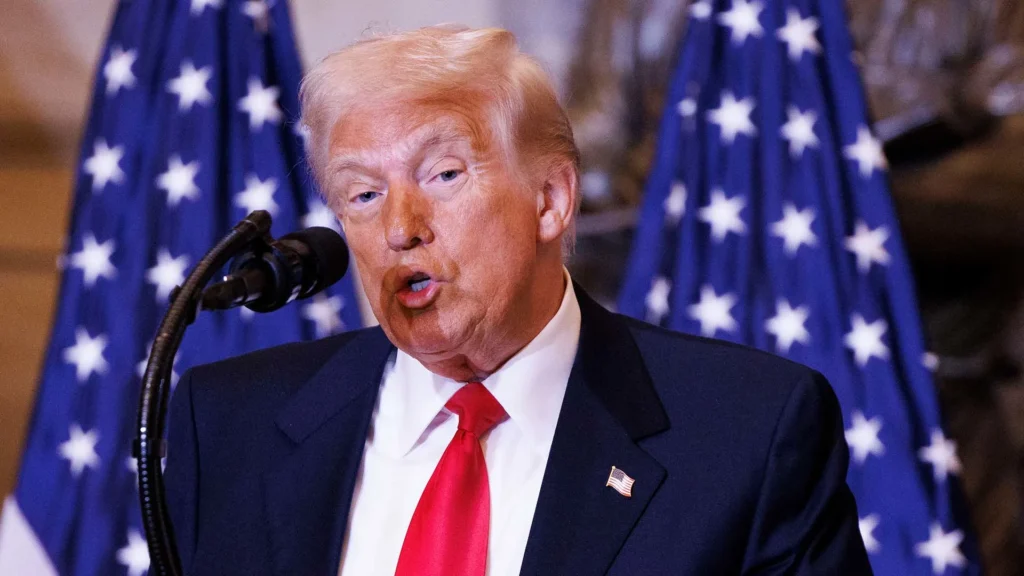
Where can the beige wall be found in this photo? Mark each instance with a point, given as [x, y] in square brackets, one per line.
[47, 55]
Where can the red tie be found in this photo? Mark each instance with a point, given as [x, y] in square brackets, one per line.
[447, 535]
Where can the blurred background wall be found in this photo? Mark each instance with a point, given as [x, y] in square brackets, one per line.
[946, 87]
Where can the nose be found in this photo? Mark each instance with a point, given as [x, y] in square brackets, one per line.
[406, 218]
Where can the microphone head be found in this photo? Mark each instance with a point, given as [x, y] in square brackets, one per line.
[330, 257]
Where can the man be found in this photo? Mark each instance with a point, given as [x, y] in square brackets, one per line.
[498, 421]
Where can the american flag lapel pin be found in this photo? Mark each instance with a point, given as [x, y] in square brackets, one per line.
[621, 482]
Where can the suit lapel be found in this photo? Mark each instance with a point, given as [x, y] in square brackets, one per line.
[610, 403]
[308, 493]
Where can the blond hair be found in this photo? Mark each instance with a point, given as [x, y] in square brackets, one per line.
[525, 119]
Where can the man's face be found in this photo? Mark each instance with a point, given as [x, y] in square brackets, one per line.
[444, 235]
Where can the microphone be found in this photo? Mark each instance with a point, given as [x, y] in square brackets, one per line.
[275, 272]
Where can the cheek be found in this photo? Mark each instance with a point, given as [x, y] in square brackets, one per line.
[500, 214]
[513, 220]
[493, 241]
[365, 247]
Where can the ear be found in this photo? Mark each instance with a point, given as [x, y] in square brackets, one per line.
[556, 202]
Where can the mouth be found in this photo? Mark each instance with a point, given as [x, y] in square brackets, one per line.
[418, 282]
[417, 290]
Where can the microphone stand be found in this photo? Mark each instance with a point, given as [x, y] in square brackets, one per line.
[149, 446]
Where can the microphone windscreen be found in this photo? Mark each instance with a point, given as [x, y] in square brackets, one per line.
[329, 252]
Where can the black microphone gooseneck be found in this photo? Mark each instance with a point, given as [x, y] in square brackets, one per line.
[268, 274]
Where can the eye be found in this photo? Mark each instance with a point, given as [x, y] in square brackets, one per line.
[449, 175]
[366, 197]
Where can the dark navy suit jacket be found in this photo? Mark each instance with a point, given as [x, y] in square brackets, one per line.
[738, 456]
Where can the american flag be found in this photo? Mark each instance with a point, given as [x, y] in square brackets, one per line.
[621, 482]
[767, 221]
[193, 125]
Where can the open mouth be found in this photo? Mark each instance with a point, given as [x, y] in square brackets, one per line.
[419, 282]
[418, 291]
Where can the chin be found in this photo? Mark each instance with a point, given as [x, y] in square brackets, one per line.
[427, 335]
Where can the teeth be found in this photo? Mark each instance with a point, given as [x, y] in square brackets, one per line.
[419, 285]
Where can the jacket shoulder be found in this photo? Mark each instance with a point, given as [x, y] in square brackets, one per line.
[730, 379]
[670, 344]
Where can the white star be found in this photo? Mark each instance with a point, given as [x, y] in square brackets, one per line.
[190, 85]
[87, 354]
[80, 449]
[862, 437]
[742, 18]
[199, 5]
[788, 325]
[866, 339]
[179, 180]
[942, 548]
[941, 454]
[723, 214]
[135, 555]
[675, 203]
[867, 151]
[258, 195]
[320, 215]
[795, 229]
[325, 313]
[713, 311]
[687, 107]
[868, 245]
[260, 103]
[259, 11]
[104, 165]
[94, 259]
[798, 34]
[733, 117]
[867, 527]
[118, 69]
[700, 10]
[140, 369]
[799, 130]
[657, 299]
[168, 273]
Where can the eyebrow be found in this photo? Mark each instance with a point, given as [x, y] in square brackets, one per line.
[433, 136]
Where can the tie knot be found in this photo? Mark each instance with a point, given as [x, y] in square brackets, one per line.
[478, 410]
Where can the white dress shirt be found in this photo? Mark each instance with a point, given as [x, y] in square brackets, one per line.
[410, 429]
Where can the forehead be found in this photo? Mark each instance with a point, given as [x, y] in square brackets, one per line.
[370, 135]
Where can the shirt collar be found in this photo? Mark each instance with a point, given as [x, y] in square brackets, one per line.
[530, 386]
